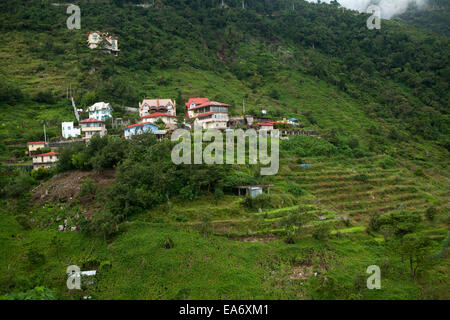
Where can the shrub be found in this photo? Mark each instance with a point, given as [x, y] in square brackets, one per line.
[206, 224]
[353, 143]
[387, 163]
[38, 293]
[19, 185]
[291, 236]
[24, 221]
[218, 193]
[321, 231]
[41, 174]
[187, 193]
[104, 224]
[167, 243]
[268, 201]
[260, 201]
[362, 177]
[294, 189]
[44, 97]
[419, 172]
[35, 258]
[80, 160]
[88, 187]
[430, 213]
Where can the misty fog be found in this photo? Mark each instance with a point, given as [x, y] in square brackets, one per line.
[389, 8]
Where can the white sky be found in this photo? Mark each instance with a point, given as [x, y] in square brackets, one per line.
[389, 8]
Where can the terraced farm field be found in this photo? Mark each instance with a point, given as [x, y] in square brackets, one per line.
[342, 193]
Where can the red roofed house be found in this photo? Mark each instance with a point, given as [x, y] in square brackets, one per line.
[169, 120]
[208, 114]
[34, 146]
[148, 106]
[46, 160]
[265, 125]
[192, 103]
[92, 126]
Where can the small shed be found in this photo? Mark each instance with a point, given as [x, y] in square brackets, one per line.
[254, 190]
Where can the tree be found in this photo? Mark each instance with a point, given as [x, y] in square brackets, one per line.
[180, 120]
[104, 223]
[89, 99]
[321, 231]
[161, 125]
[418, 250]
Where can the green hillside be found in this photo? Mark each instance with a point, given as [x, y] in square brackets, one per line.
[376, 191]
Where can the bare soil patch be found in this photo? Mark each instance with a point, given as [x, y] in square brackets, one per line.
[65, 187]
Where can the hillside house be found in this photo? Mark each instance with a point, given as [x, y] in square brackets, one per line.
[148, 106]
[100, 111]
[170, 121]
[69, 130]
[46, 160]
[192, 103]
[103, 40]
[208, 114]
[267, 126]
[34, 146]
[140, 128]
[92, 126]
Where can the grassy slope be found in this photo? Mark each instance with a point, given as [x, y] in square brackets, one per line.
[244, 258]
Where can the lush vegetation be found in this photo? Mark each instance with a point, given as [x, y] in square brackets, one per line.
[371, 189]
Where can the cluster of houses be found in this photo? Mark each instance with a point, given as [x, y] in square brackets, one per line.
[158, 116]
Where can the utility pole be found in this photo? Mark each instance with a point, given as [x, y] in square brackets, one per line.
[243, 5]
[243, 107]
[45, 136]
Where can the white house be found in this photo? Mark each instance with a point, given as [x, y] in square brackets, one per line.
[148, 106]
[33, 146]
[91, 127]
[69, 131]
[100, 111]
[140, 128]
[46, 160]
[108, 42]
[169, 120]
